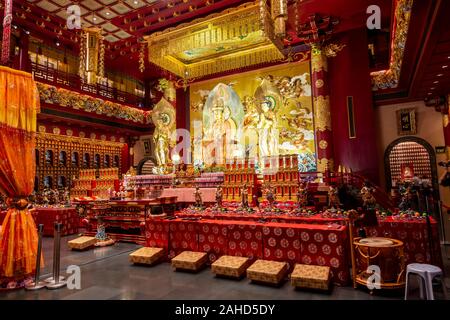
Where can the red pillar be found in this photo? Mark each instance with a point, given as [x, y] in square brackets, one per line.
[125, 160]
[6, 40]
[446, 126]
[322, 112]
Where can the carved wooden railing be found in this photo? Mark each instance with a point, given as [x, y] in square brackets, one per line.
[357, 181]
[382, 197]
[73, 82]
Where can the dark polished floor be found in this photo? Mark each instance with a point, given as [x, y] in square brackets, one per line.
[107, 274]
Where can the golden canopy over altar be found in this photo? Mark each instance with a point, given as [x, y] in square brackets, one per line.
[232, 39]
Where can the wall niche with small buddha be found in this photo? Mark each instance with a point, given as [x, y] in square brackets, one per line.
[59, 158]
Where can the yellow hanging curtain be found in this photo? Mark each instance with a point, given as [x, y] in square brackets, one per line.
[19, 104]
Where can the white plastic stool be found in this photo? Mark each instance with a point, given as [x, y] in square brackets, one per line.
[427, 273]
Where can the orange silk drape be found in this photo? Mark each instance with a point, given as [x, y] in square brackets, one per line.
[19, 104]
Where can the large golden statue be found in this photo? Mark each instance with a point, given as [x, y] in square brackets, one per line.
[268, 136]
[161, 138]
[163, 116]
[220, 128]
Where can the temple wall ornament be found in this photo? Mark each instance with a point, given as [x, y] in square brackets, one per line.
[167, 87]
[389, 78]
[325, 164]
[406, 121]
[75, 100]
[92, 53]
[332, 49]
[142, 48]
[71, 145]
[279, 15]
[319, 83]
[318, 59]
[323, 144]
[229, 40]
[322, 113]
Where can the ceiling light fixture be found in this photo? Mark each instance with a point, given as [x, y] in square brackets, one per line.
[440, 74]
[444, 66]
[436, 82]
[429, 93]
[432, 88]
[107, 13]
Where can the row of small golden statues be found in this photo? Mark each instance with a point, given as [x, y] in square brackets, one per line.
[367, 195]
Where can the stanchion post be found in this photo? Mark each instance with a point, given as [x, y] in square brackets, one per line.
[57, 281]
[36, 285]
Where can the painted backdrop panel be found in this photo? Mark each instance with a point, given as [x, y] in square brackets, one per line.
[266, 112]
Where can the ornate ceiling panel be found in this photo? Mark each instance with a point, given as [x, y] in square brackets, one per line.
[125, 22]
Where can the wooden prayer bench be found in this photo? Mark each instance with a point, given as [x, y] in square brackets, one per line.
[146, 256]
[311, 277]
[82, 243]
[230, 266]
[189, 261]
[268, 272]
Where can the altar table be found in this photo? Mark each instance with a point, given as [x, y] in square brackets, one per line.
[187, 194]
[282, 218]
[48, 216]
[412, 231]
[291, 243]
[415, 236]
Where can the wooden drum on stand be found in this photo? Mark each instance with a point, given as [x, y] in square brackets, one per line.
[384, 253]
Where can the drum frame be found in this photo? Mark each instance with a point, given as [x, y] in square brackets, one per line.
[360, 276]
[373, 252]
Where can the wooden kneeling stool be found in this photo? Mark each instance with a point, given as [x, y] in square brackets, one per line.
[82, 243]
[266, 271]
[230, 266]
[189, 261]
[146, 255]
[311, 277]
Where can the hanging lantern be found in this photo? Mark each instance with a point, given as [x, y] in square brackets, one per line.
[82, 66]
[101, 59]
[92, 52]
[142, 57]
[279, 16]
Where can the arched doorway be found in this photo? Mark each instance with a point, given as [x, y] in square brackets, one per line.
[146, 165]
[415, 152]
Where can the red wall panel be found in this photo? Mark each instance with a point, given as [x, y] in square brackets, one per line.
[348, 74]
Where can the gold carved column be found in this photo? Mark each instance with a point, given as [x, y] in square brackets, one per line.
[446, 125]
[279, 16]
[322, 112]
